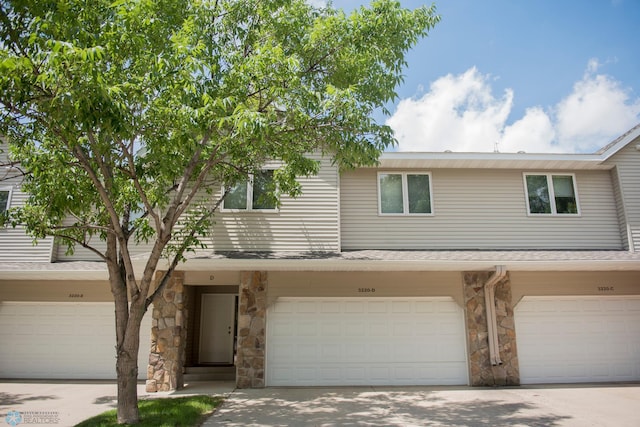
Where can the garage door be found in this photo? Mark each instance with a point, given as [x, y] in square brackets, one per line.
[578, 339]
[62, 341]
[371, 341]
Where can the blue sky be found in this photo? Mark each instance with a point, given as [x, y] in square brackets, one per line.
[532, 75]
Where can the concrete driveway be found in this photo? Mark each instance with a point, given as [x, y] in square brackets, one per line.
[601, 405]
[67, 403]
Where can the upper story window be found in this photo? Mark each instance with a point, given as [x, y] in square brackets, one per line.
[5, 197]
[251, 195]
[404, 193]
[551, 194]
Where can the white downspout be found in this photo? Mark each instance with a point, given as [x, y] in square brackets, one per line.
[490, 304]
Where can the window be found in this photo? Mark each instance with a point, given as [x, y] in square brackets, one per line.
[5, 197]
[404, 193]
[551, 194]
[252, 195]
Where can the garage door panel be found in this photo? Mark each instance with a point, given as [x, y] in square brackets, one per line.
[366, 341]
[402, 329]
[401, 307]
[578, 339]
[379, 328]
[305, 307]
[355, 329]
[306, 329]
[62, 340]
[377, 306]
[380, 353]
[329, 307]
[426, 307]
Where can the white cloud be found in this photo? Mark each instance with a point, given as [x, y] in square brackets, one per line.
[597, 110]
[317, 3]
[534, 133]
[460, 113]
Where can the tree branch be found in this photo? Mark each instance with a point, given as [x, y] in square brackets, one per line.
[81, 243]
[204, 173]
[183, 247]
[136, 182]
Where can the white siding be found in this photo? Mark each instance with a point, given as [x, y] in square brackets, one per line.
[627, 161]
[479, 209]
[83, 254]
[307, 223]
[15, 244]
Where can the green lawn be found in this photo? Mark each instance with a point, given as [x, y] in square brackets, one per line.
[168, 412]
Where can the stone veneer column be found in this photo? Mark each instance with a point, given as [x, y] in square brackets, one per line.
[482, 372]
[252, 313]
[168, 336]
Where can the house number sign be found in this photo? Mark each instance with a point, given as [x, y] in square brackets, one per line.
[605, 288]
[366, 290]
[76, 295]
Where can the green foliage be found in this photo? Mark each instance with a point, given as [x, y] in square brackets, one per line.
[169, 412]
[132, 115]
[122, 106]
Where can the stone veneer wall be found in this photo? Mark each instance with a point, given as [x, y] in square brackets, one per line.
[482, 372]
[168, 336]
[252, 313]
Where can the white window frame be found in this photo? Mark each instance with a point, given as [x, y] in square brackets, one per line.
[405, 193]
[10, 191]
[249, 207]
[552, 198]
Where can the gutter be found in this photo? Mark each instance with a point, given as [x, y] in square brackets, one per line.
[490, 307]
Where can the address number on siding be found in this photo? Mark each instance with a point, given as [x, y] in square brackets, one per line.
[366, 290]
[605, 288]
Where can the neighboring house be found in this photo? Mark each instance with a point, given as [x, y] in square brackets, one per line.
[432, 268]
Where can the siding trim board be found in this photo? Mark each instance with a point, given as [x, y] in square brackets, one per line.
[625, 229]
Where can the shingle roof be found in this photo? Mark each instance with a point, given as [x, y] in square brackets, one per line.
[421, 255]
[359, 260]
[618, 139]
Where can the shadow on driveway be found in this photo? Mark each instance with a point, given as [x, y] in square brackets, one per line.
[12, 399]
[390, 407]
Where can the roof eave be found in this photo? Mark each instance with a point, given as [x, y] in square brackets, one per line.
[338, 265]
[492, 160]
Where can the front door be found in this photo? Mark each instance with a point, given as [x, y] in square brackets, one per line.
[217, 326]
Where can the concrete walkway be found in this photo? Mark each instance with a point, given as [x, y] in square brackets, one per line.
[579, 406]
[64, 403]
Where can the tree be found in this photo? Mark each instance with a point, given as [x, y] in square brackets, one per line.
[124, 112]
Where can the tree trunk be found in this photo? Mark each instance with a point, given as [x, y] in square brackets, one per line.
[127, 370]
[127, 367]
[128, 319]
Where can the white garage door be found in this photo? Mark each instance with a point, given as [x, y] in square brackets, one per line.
[578, 339]
[62, 341]
[365, 341]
